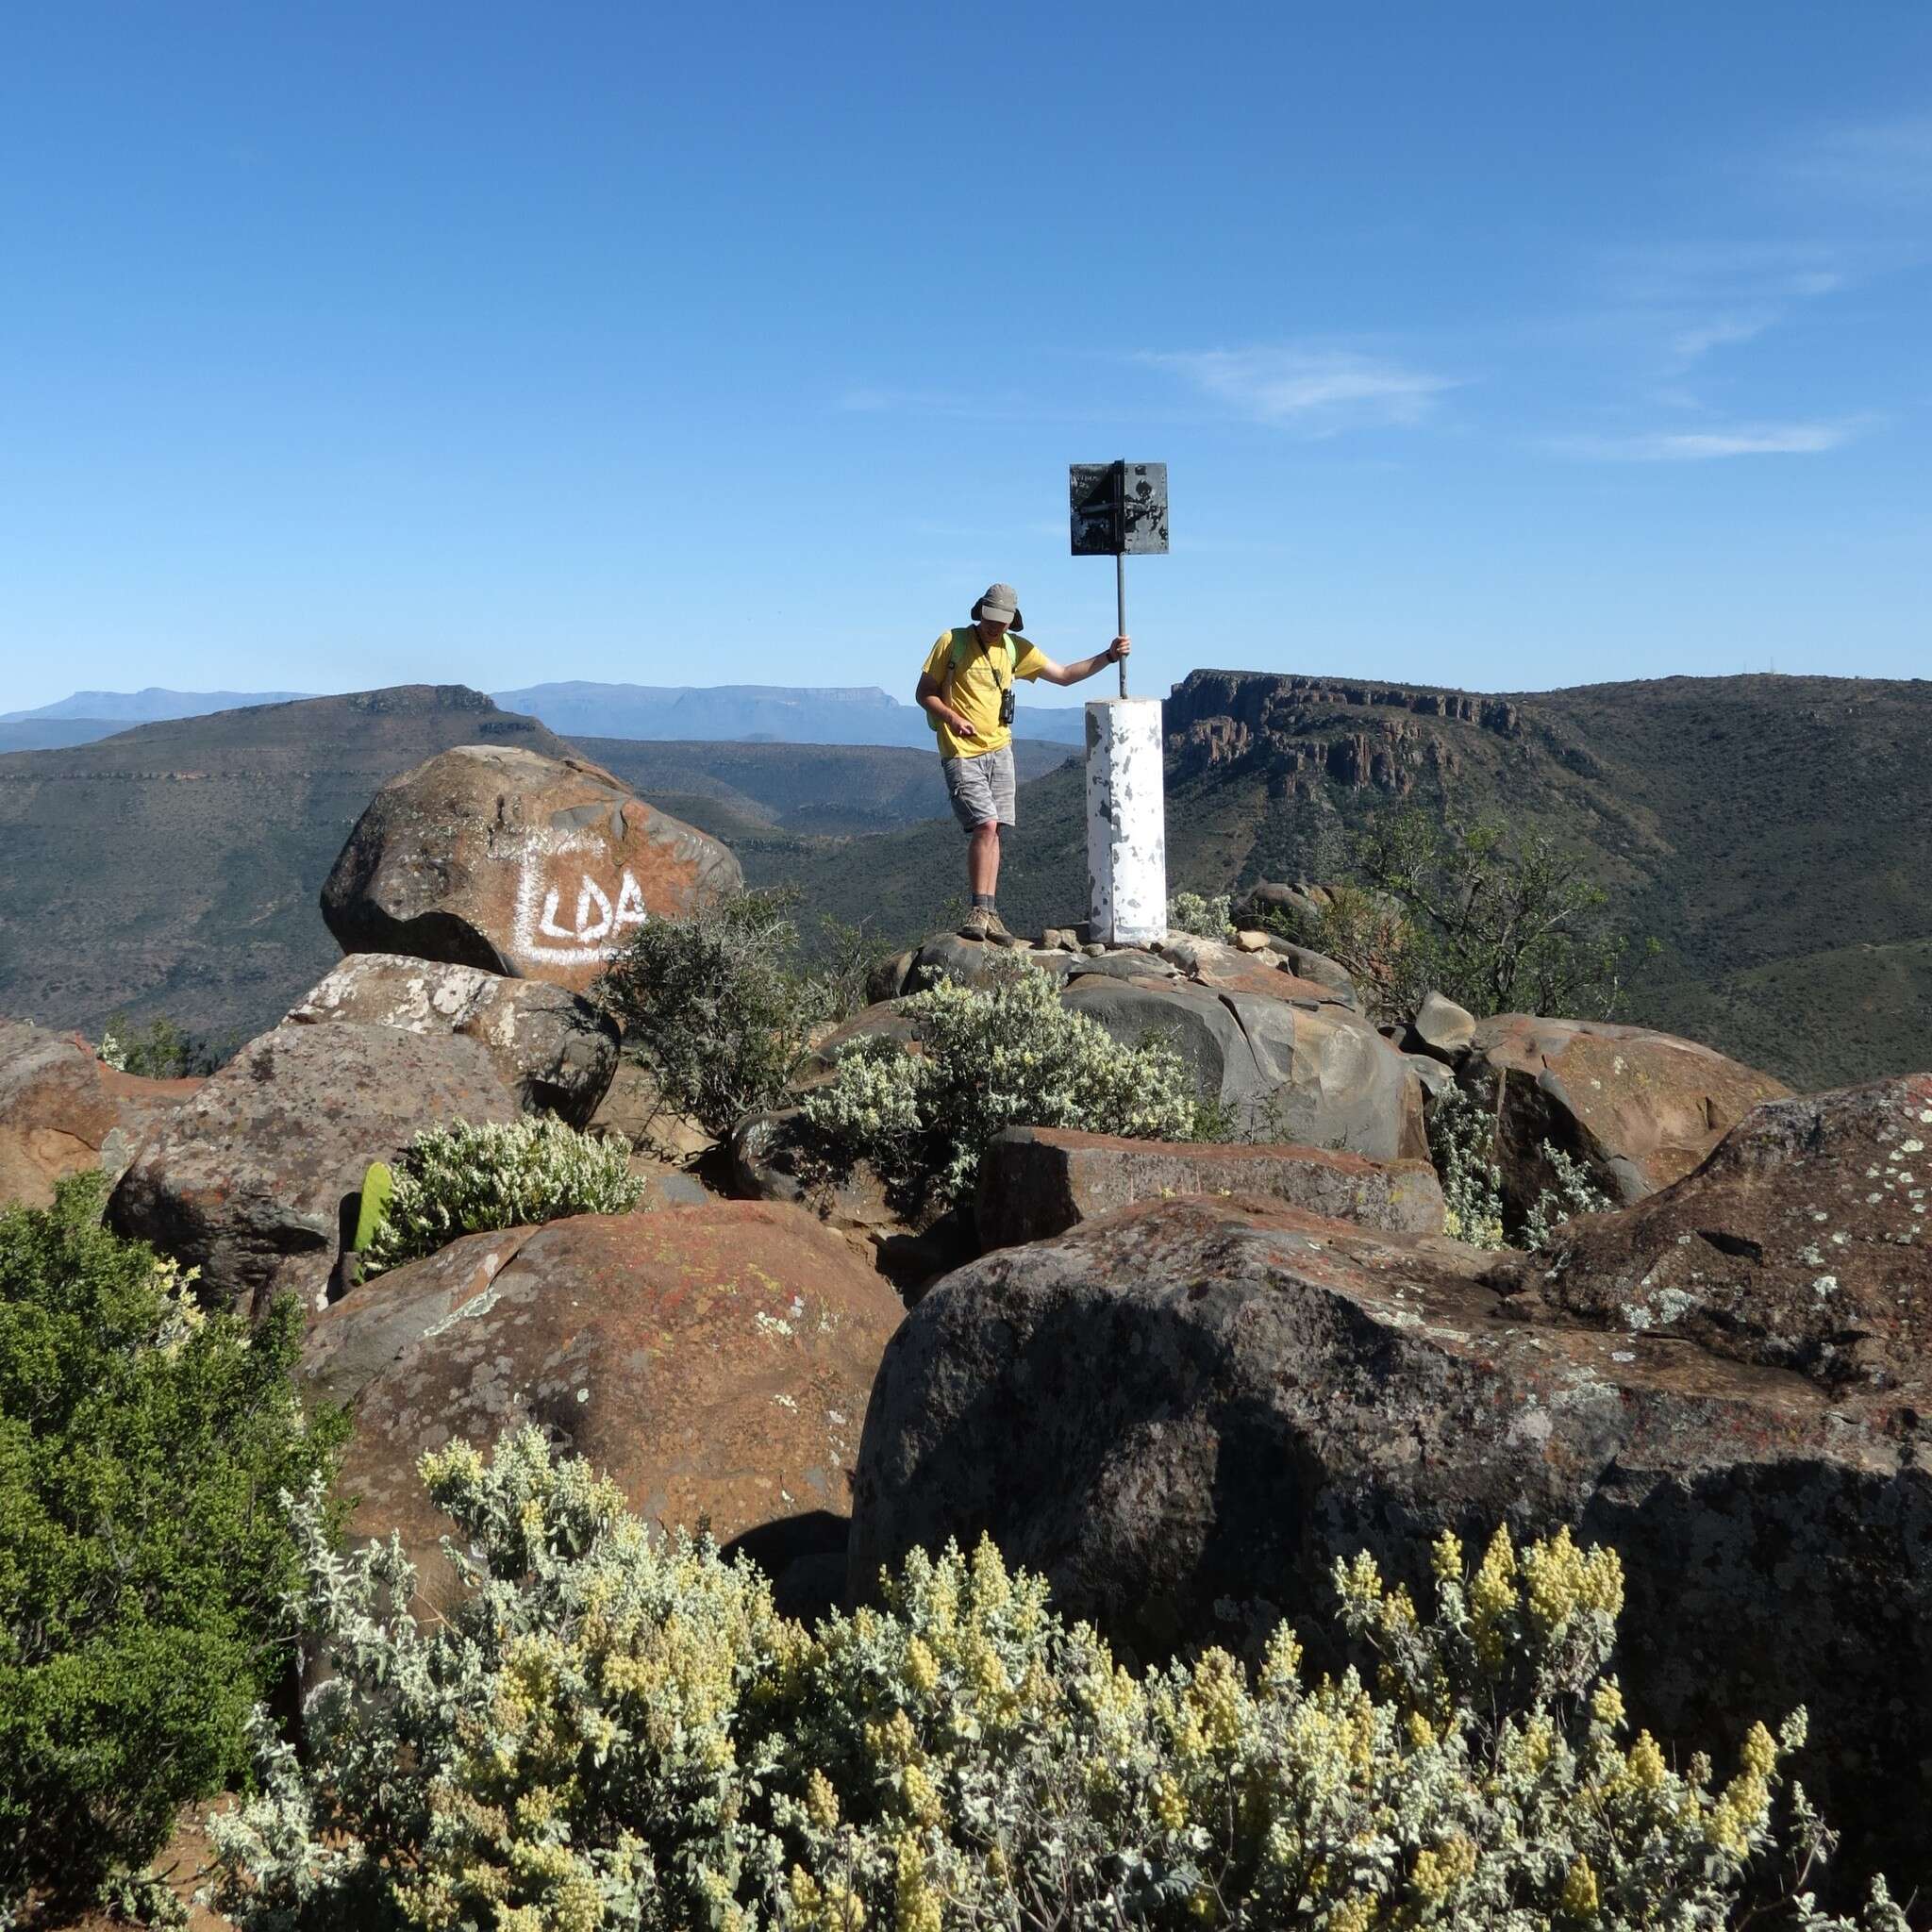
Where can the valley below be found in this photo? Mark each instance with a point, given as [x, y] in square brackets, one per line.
[1767, 833]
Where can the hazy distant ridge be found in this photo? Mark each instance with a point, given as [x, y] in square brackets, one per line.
[834, 714]
[826, 715]
[151, 706]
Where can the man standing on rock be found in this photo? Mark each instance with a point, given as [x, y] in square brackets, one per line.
[966, 689]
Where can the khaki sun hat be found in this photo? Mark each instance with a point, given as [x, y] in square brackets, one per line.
[1001, 602]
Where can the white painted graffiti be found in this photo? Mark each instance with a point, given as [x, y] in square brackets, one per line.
[552, 876]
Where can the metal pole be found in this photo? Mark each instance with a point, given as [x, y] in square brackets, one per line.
[1120, 602]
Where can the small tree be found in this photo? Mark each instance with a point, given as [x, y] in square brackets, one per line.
[845, 955]
[1500, 925]
[715, 1006]
[145, 1555]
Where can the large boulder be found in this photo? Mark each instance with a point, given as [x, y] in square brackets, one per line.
[1285, 1058]
[251, 1179]
[1804, 1242]
[713, 1360]
[1637, 1109]
[1119, 962]
[1306, 963]
[1184, 1412]
[1305, 1070]
[1442, 1029]
[1036, 1182]
[63, 1111]
[497, 857]
[555, 1051]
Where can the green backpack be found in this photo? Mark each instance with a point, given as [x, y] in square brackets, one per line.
[957, 644]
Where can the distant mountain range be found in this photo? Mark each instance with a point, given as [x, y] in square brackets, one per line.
[1769, 832]
[122, 708]
[174, 867]
[728, 713]
[859, 714]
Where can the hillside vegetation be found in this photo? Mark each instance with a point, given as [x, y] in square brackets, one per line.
[175, 868]
[1768, 831]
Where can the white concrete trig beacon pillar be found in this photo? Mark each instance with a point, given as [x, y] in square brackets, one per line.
[1126, 822]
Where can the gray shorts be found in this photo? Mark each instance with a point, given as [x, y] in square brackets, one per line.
[981, 788]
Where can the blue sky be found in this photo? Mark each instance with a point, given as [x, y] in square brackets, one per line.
[1497, 346]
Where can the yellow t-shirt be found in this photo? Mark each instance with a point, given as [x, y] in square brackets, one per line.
[974, 689]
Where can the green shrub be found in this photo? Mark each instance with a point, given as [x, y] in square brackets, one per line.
[1203, 917]
[1010, 1055]
[462, 1178]
[611, 1730]
[844, 959]
[1500, 923]
[716, 1006]
[144, 1557]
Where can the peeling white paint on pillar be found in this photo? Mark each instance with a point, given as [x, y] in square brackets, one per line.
[1126, 822]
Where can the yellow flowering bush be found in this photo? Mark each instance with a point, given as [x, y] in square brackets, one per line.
[615, 1730]
[1008, 1055]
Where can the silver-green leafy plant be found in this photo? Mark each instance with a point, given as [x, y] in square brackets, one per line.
[1462, 1144]
[612, 1729]
[1205, 918]
[1575, 1193]
[461, 1178]
[1009, 1053]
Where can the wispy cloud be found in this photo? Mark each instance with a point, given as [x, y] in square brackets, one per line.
[1882, 161]
[1671, 274]
[1320, 391]
[1705, 446]
[1698, 338]
[1690, 300]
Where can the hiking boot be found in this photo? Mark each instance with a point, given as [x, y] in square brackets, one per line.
[996, 925]
[979, 924]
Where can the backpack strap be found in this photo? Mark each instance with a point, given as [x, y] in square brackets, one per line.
[957, 644]
[962, 641]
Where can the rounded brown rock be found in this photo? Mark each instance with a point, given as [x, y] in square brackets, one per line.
[714, 1362]
[535, 867]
